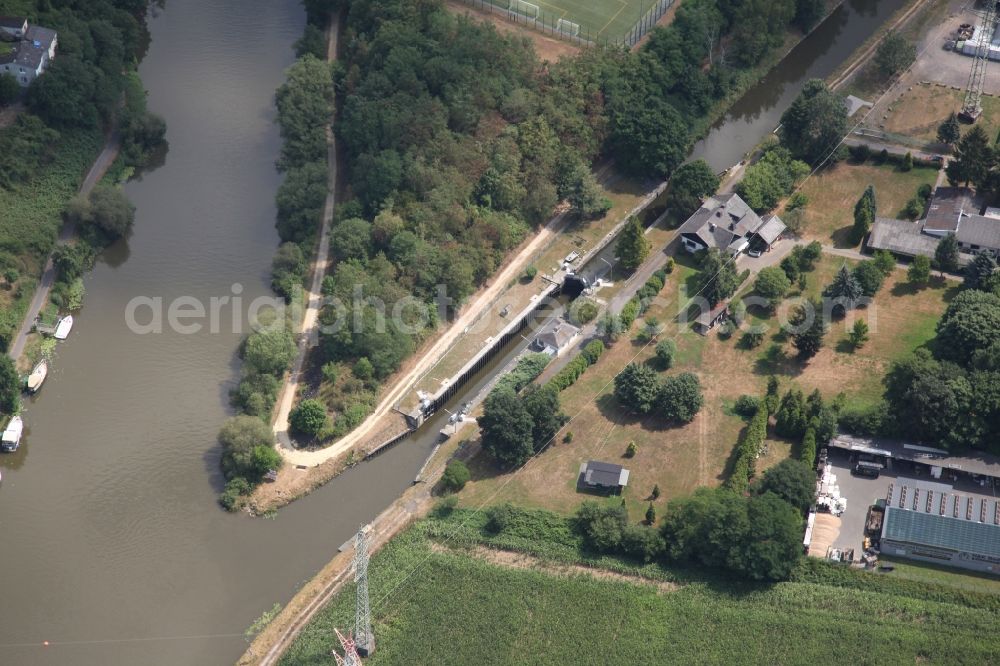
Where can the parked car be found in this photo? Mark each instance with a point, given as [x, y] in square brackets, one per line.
[755, 253]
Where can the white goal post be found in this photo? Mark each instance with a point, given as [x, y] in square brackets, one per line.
[525, 9]
[568, 27]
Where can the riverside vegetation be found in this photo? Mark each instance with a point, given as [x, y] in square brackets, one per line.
[47, 149]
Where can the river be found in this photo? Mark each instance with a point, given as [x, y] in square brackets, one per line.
[111, 545]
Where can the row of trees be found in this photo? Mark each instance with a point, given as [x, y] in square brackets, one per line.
[514, 427]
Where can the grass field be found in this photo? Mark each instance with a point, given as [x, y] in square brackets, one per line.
[680, 459]
[833, 192]
[919, 111]
[606, 19]
[463, 601]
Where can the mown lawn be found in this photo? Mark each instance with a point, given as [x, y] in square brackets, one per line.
[435, 602]
[833, 192]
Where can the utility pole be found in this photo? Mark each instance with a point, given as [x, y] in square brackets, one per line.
[972, 107]
[364, 640]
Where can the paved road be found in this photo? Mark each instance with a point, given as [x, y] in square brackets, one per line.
[97, 171]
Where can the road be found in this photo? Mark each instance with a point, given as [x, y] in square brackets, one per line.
[41, 296]
[309, 331]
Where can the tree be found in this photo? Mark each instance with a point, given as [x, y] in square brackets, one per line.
[542, 404]
[656, 491]
[885, 262]
[312, 42]
[946, 254]
[869, 276]
[601, 525]
[792, 481]
[585, 196]
[680, 398]
[363, 369]
[717, 279]
[308, 417]
[808, 13]
[269, 351]
[10, 386]
[351, 239]
[665, 351]
[907, 163]
[815, 122]
[894, 54]
[845, 290]
[650, 514]
[111, 211]
[772, 284]
[247, 447]
[809, 329]
[633, 247]
[300, 201]
[507, 428]
[648, 137]
[919, 272]
[792, 418]
[974, 159]
[9, 89]
[864, 214]
[970, 322]
[979, 271]
[807, 451]
[773, 541]
[456, 475]
[949, 131]
[690, 184]
[859, 334]
[637, 387]
[305, 104]
[65, 96]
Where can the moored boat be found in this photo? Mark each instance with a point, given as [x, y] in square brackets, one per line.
[63, 328]
[11, 437]
[37, 376]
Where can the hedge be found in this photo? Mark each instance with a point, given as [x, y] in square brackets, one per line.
[746, 454]
[569, 374]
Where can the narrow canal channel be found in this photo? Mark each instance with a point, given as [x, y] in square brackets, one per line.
[111, 545]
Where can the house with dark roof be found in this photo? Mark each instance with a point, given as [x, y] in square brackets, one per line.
[602, 476]
[13, 26]
[727, 223]
[29, 57]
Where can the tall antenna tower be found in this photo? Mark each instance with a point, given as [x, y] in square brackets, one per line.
[364, 640]
[350, 657]
[972, 107]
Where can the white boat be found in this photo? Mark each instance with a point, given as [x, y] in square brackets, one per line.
[12, 435]
[63, 328]
[37, 376]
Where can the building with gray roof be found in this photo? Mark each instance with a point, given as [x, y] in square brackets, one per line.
[933, 523]
[602, 476]
[727, 223]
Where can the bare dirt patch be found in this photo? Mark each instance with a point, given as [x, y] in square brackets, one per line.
[514, 560]
[547, 48]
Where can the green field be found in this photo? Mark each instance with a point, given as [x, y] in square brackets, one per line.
[436, 601]
[603, 19]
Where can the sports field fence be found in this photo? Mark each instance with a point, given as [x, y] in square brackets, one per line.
[524, 12]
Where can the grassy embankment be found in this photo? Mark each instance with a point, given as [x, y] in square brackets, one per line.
[446, 592]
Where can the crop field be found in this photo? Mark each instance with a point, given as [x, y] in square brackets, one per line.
[604, 19]
[461, 601]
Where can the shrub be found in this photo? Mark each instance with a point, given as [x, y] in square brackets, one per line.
[530, 272]
[308, 417]
[232, 495]
[665, 352]
[455, 476]
[527, 369]
[363, 369]
[631, 450]
[752, 339]
[498, 517]
[746, 406]
[568, 437]
[584, 311]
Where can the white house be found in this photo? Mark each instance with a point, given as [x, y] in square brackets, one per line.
[726, 222]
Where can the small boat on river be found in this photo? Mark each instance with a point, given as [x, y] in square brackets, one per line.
[11, 437]
[63, 328]
[37, 376]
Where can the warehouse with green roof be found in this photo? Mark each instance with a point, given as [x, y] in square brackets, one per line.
[931, 522]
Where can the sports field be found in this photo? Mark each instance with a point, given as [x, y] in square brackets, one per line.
[604, 19]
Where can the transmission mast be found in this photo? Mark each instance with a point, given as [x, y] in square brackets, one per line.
[350, 657]
[364, 640]
[972, 106]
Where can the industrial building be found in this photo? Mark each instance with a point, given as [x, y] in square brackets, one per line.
[931, 522]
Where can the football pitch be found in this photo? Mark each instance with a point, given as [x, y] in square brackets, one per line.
[597, 19]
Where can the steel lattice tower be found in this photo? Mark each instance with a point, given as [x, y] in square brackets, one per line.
[364, 640]
[350, 657]
[972, 106]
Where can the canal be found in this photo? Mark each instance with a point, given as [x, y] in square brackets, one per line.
[111, 545]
